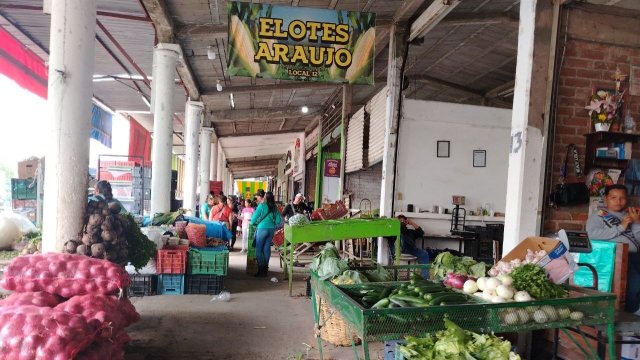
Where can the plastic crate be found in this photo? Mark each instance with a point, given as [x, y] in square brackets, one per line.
[170, 284]
[204, 284]
[143, 285]
[172, 260]
[203, 261]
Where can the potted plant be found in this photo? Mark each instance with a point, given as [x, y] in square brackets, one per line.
[603, 109]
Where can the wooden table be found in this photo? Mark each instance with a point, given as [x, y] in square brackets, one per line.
[334, 230]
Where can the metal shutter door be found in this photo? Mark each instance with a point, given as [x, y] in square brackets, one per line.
[378, 110]
[355, 138]
[311, 143]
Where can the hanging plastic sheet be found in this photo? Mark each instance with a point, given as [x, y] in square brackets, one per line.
[101, 126]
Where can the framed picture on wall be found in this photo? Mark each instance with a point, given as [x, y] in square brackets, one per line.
[443, 149]
[479, 158]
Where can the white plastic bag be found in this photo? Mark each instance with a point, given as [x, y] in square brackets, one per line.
[224, 296]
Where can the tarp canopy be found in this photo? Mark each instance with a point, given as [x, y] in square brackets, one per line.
[101, 126]
[21, 65]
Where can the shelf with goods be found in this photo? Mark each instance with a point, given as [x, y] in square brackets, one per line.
[607, 139]
[128, 178]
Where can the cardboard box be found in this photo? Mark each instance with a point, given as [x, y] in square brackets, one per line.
[27, 168]
[559, 264]
[630, 351]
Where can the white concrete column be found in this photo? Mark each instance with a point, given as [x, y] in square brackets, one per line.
[193, 117]
[220, 160]
[396, 52]
[164, 62]
[230, 187]
[530, 120]
[72, 45]
[213, 166]
[205, 162]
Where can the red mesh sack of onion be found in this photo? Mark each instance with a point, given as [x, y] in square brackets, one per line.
[66, 275]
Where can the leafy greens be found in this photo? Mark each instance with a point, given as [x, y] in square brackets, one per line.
[455, 343]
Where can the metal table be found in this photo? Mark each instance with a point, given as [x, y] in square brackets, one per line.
[460, 239]
[334, 230]
[392, 324]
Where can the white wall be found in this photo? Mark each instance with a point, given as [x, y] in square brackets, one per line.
[426, 180]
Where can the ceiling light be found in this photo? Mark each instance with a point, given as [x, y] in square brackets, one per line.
[218, 85]
[211, 55]
[304, 109]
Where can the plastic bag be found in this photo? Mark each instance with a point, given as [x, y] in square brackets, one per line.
[224, 296]
[22, 222]
[602, 257]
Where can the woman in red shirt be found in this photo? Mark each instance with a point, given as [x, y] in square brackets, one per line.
[221, 212]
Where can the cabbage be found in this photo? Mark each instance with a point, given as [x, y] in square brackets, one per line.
[298, 219]
[350, 277]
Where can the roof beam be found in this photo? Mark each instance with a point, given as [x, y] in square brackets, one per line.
[157, 10]
[480, 19]
[406, 10]
[256, 158]
[499, 90]
[431, 17]
[273, 87]
[431, 79]
[229, 116]
[262, 133]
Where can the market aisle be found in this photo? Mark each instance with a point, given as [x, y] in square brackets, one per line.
[260, 322]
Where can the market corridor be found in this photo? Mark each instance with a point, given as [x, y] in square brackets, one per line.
[260, 322]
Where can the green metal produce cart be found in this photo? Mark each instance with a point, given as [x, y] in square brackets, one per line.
[396, 323]
[333, 230]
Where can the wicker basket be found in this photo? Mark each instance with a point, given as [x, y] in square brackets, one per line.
[334, 328]
[278, 238]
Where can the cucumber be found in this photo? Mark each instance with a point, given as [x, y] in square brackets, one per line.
[436, 300]
[414, 300]
[398, 302]
[370, 299]
[431, 296]
[382, 303]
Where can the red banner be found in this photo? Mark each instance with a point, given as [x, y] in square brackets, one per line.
[139, 140]
[332, 168]
[21, 65]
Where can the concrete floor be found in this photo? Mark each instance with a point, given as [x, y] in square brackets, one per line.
[260, 322]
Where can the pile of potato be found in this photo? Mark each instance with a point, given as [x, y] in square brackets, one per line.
[102, 236]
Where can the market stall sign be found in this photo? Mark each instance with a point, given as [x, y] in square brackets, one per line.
[295, 43]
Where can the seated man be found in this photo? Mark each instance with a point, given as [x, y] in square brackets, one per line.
[408, 238]
[620, 224]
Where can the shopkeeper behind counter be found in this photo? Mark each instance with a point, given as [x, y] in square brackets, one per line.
[621, 224]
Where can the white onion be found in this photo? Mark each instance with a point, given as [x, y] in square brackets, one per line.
[497, 299]
[564, 313]
[551, 312]
[492, 284]
[511, 318]
[505, 279]
[523, 316]
[522, 296]
[470, 287]
[481, 282]
[576, 315]
[504, 292]
[540, 317]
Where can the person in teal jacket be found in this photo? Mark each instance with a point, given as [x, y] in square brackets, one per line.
[266, 218]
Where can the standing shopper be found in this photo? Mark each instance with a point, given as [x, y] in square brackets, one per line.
[222, 212]
[103, 189]
[233, 218]
[206, 206]
[266, 218]
[247, 212]
[621, 224]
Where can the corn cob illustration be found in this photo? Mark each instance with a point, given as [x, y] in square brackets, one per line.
[240, 35]
[265, 66]
[334, 71]
[362, 56]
